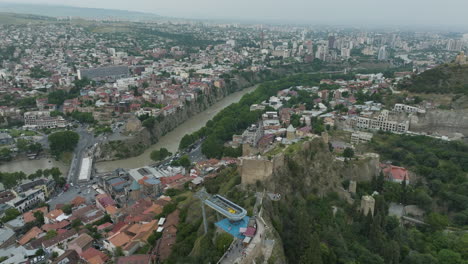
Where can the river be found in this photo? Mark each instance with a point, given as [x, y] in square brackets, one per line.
[29, 166]
[172, 139]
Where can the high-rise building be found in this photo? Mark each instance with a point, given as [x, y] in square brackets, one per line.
[331, 42]
[345, 53]
[382, 53]
[309, 46]
[455, 45]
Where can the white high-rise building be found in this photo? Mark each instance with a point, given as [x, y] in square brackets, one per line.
[382, 53]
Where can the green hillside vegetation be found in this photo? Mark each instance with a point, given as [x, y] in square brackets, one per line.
[192, 245]
[447, 78]
[311, 233]
[442, 167]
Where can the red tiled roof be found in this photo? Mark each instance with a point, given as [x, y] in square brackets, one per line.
[397, 173]
[92, 252]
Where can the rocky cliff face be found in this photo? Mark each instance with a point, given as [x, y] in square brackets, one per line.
[444, 122]
[314, 169]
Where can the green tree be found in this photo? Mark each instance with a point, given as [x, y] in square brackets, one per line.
[437, 221]
[63, 141]
[160, 154]
[186, 141]
[149, 122]
[348, 153]
[76, 223]
[10, 214]
[184, 161]
[312, 254]
[39, 215]
[448, 256]
[67, 209]
[223, 241]
[51, 234]
[118, 252]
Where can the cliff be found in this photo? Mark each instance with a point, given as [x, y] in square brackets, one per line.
[444, 122]
[312, 168]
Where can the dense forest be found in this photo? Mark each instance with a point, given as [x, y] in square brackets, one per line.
[447, 78]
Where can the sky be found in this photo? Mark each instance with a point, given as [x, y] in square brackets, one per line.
[352, 12]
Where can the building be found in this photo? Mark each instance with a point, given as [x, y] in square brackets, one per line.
[461, 58]
[109, 74]
[27, 200]
[250, 136]
[48, 186]
[395, 173]
[140, 259]
[402, 108]
[359, 137]
[81, 243]
[6, 139]
[70, 256]
[290, 132]
[382, 54]
[367, 204]
[42, 119]
[86, 169]
[381, 122]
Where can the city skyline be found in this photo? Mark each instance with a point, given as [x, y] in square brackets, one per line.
[360, 12]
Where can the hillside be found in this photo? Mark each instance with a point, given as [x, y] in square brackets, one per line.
[311, 232]
[65, 11]
[16, 19]
[444, 79]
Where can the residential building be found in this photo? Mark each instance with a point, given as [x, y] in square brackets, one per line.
[27, 200]
[359, 137]
[42, 119]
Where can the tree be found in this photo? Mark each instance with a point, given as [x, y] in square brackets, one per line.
[211, 148]
[437, 221]
[118, 252]
[67, 209]
[186, 141]
[63, 141]
[160, 154]
[448, 256]
[76, 223]
[184, 161]
[51, 234]
[149, 122]
[10, 214]
[348, 153]
[39, 215]
[312, 254]
[223, 241]
[54, 255]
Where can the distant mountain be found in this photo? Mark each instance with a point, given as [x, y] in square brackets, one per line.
[69, 11]
[444, 79]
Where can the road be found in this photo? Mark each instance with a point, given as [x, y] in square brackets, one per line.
[87, 140]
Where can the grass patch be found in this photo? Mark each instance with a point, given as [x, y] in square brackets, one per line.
[66, 157]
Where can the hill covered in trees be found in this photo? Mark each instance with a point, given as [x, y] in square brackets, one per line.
[444, 79]
[312, 232]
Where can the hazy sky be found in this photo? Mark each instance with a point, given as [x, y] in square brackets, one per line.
[416, 12]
